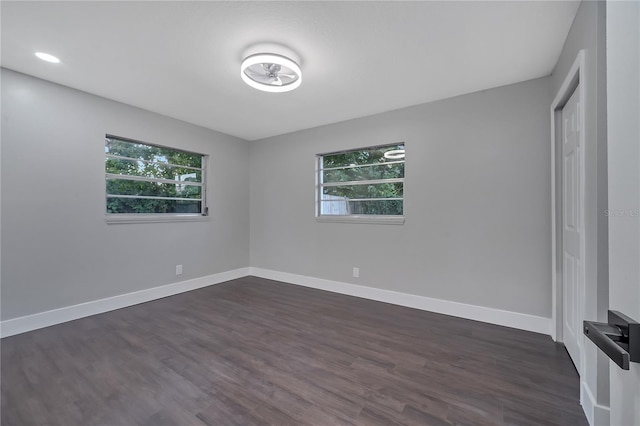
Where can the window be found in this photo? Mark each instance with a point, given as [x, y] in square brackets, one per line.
[147, 182]
[362, 185]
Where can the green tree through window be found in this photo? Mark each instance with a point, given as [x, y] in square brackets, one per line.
[367, 181]
[144, 178]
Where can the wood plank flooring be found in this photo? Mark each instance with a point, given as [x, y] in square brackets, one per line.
[255, 351]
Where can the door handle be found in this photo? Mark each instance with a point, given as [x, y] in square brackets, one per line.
[619, 338]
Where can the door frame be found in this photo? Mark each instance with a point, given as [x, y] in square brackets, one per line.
[575, 79]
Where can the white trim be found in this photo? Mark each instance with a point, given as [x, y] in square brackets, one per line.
[358, 166]
[461, 310]
[478, 313]
[596, 414]
[115, 176]
[115, 218]
[151, 197]
[362, 182]
[575, 78]
[119, 157]
[70, 313]
[373, 219]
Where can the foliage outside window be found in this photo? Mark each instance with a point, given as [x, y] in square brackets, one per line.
[367, 182]
[145, 179]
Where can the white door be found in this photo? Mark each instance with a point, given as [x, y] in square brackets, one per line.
[571, 227]
[623, 145]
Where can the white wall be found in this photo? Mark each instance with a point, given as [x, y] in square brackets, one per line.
[57, 249]
[477, 202]
[588, 33]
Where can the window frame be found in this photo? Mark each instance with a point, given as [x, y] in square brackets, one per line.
[358, 218]
[124, 218]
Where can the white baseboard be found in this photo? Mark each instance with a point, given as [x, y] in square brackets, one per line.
[70, 313]
[597, 415]
[462, 310]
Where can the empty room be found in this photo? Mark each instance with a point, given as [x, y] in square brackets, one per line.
[320, 213]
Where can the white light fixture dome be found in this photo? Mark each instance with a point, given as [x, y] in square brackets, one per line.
[394, 154]
[271, 72]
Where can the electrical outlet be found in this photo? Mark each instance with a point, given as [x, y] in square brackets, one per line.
[178, 269]
[356, 272]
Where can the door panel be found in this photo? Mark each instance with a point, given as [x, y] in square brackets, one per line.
[571, 229]
[570, 278]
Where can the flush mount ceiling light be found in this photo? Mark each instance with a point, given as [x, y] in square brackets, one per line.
[270, 72]
[394, 154]
[47, 57]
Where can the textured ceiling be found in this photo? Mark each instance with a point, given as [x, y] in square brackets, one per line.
[182, 58]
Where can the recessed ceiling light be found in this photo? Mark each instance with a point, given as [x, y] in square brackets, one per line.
[47, 57]
[270, 72]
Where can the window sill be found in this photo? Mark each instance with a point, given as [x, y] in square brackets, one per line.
[153, 218]
[380, 220]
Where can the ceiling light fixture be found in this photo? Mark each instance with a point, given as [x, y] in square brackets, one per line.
[270, 72]
[47, 57]
[394, 154]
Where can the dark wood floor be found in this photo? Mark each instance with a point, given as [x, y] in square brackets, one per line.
[254, 351]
